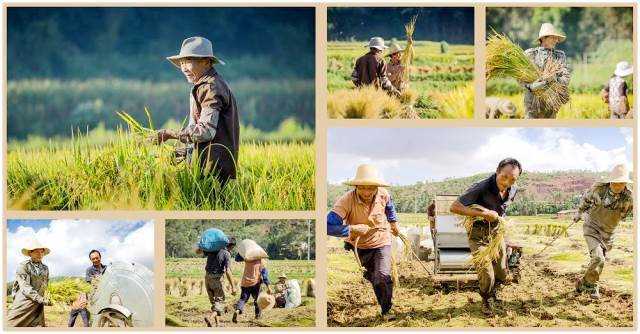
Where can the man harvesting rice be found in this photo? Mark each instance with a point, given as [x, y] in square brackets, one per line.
[490, 198]
[212, 133]
[28, 290]
[395, 68]
[614, 92]
[548, 38]
[602, 208]
[366, 216]
[371, 69]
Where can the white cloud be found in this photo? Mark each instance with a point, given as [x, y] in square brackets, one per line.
[71, 240]
[405, 156]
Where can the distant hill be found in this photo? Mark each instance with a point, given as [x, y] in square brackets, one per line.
[539, 193]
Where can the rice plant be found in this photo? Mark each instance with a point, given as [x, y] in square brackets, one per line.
[130, 173]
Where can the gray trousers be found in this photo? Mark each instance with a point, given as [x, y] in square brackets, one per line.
[213, 283]
[492, 274]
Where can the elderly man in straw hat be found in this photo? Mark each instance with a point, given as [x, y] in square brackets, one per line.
[548, 38]
[366, 216]
[395, 69]
[212, 133]
[371, 69]
[602, 208]
[28, 291]
[493, 195]
[614, 92]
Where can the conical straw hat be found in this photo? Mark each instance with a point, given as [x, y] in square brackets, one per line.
[34, 244]
[547, 29]
[619, 174]
[367, 175]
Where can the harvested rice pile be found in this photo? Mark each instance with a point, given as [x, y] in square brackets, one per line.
[506, 59]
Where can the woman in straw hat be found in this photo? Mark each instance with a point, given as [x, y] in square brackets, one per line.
[602, 208]
[213, 130]
[370, 69]
[32, 277]
[614, 92]
[366, 217]
[395, 69]
[548, 38]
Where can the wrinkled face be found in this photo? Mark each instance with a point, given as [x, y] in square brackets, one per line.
[617, 187]
[366, 193]
[549, 42]
[396, 56]
[37, 254]
[507, 176]
[95, 258]
[194, 68]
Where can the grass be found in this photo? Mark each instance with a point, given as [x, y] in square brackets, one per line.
[543, 298]
[438, 78]
[188, 310]
[127, 173]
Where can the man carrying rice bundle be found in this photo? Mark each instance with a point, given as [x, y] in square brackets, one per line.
[366, 217]
[602, 208]
[489, 198]
[371, 69]
[213, 129]
[548, 38]
[28, 290]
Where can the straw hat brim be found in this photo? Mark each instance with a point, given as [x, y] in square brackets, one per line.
[562, 37]
[367, 182]
[175, 60]
[26, 251]
[617, 180]
[624, 73]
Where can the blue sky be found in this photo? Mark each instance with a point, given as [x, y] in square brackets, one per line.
[409, 155]
[71, 240]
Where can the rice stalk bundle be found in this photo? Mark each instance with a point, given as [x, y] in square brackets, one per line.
[490, 252]
[66, 291]
[506, 59]
[409, 51]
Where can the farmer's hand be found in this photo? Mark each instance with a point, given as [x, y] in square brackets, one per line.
[361, 229]
[577, 217]
[536, 85]
[46, 301]
[163, 135]
[490, 215]
[394, 229]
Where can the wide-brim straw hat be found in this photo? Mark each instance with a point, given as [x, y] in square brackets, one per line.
[623, 69]
[282, 276]
[266, 301]
[393, 49]
[367, 175]
[376, 43]
[195, 47]
[619, 174]
[34, 244]
[547, 29]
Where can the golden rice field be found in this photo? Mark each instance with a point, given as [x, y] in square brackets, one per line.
[128, 173]
[441, 84]
[581, 106]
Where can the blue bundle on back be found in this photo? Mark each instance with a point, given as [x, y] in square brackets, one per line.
[213, 240]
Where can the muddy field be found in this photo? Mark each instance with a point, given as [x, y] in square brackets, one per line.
[186, 300]
[544, 297]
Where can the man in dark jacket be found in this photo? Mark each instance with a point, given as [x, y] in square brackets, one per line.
[371, 69]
